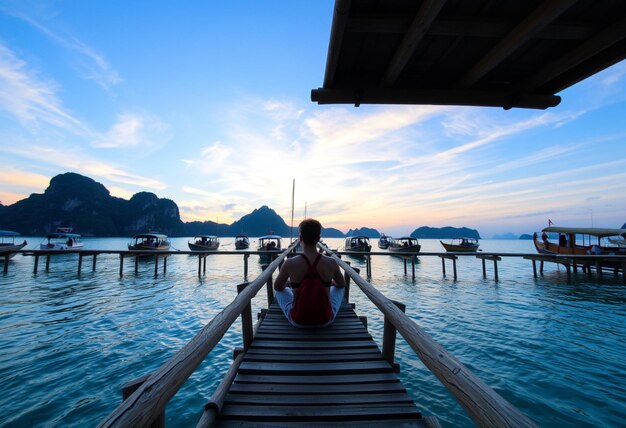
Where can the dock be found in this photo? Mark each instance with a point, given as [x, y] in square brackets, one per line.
[333, 375]
[283, 375]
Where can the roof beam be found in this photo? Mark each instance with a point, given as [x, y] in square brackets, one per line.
[465, 27]
[537, 20]
[416, 32]
[338, 28]
[603, 40]
[468, 97]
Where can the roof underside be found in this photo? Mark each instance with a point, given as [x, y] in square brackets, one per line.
[468, 52]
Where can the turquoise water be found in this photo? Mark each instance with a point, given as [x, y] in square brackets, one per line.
[553, 347]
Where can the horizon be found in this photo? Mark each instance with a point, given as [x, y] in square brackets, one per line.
[208, 105]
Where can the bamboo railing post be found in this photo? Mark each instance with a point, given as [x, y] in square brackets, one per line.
[346, 277]
[270, 287]
[389, 337]
[246, 319]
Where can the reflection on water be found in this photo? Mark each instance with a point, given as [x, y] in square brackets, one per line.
[552, 346]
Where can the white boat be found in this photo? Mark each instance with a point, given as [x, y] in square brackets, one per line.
[8, 245]
[384, 241]
[270, 244]
[61, 240]
[242, 242]
[357, 243]
[462, 245]
[150, 241]
[406, 244]
[204, 243]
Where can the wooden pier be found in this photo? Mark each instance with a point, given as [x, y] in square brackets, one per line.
[335, 376]
[318, 376]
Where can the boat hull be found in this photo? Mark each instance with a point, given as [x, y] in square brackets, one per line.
[199, 247]
[459, 248]
[10, 248]
[148, 248]
[409, 249]
[60, 247]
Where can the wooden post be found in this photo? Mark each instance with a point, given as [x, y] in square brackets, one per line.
[131, 387]
[199, 263]
[495, 267]
[136, 264]
[121, 264]
[204, 265]
[541, 267]
[270, 287]
[534, 268]
[389, 337]
[246, 319]
[80, 263]
[164, 265]
[346, 278]
[404, 260]
[413, 258]
[47, 262]
[443, 266]
[36, 263]
[245, 266]
[6, 263]
[93, 268]
[598, 269]
[484, 270]
[454, 266]
[156, 265]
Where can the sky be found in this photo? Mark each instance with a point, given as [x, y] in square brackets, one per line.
[208, 103]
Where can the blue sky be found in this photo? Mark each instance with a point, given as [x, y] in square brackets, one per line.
[208, 103]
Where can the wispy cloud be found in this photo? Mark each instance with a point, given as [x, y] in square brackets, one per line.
[133, 130]
[29, 99]
[92, 64]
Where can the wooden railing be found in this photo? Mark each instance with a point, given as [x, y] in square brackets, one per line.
[148, 401]
[483, 404]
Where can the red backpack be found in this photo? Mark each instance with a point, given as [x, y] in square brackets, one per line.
[311, 303]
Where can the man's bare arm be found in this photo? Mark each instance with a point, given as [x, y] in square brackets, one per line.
[340, 282]
[281, 279]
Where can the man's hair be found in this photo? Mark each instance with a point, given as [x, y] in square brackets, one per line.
[310, 230]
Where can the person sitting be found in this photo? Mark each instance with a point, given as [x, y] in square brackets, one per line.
[320, 274]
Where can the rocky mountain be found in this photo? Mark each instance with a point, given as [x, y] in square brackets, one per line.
[72, 200]
[505, 236]
[447, 232]
[526, 236]
[364, 231]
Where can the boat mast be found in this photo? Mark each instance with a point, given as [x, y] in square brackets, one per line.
[293, 192]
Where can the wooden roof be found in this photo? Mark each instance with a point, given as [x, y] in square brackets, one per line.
[468, 52]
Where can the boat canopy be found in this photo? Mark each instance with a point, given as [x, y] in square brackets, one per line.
[8, 233]
[270, 237]
[206, 236]
[593, 231]
[150, 235]
[62, 235]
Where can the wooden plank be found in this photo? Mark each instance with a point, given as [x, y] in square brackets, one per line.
[320, 413]
[303, 344]
[392, 423]
[308, 389]
[374, 356]
[320, 380]
[305, 368]
[300, 336]
[320, 399]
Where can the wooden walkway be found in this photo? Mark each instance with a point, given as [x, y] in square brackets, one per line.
[315, 377]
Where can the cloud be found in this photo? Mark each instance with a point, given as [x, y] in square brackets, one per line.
[93, 65]
[132, 130]
[30, 100]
